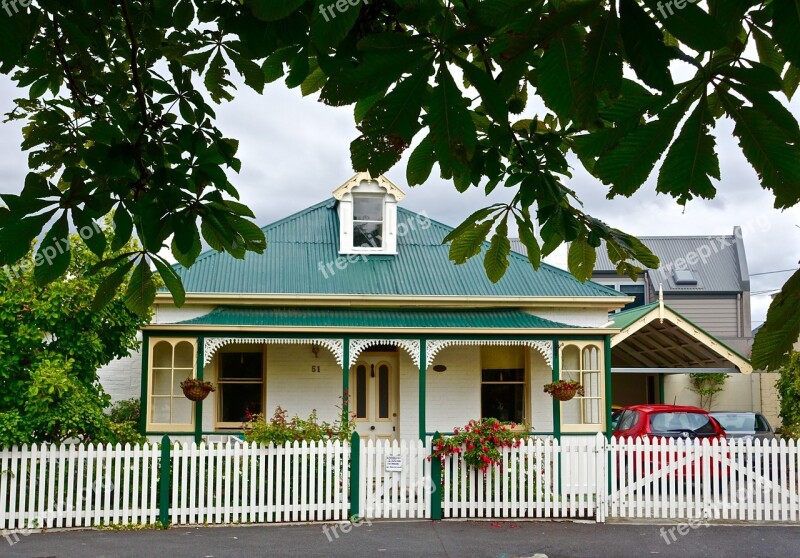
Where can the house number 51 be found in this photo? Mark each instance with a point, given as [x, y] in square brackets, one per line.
[315, 368]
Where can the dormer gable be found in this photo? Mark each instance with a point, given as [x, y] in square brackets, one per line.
[368, 215]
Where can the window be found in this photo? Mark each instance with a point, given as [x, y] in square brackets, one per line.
[367, 221]
[503, 394]
[240, 386]
[636, 291]
[171, 362]
[628, 420]
[367, 211]
[582, 362]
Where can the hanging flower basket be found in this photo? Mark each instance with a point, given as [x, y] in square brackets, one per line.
[564, 390]
[196, 390]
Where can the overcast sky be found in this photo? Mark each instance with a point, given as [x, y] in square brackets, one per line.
[295, 152]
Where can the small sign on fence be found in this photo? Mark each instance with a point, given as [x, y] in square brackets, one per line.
[393, 463]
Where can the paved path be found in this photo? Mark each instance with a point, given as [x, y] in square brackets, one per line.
[417, 539]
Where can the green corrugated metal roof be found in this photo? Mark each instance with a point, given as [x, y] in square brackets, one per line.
[300, 246]
[623, 319]
[373, 318]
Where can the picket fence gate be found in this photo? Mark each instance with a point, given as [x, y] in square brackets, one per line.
[577, 477]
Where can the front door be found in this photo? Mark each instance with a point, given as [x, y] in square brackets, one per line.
[374, 396]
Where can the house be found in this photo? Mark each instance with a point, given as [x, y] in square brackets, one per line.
[703, 287]
[356, 296]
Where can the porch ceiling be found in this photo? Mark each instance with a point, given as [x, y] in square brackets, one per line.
[657, 337]
[350, 318]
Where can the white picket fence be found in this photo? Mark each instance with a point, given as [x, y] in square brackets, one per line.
[78, 486]
[85, 486]
[250, 483]
[401, 493]
[727, 480]
[540, 478]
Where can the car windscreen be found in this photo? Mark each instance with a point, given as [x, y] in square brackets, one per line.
[671, 422]
[740, 422]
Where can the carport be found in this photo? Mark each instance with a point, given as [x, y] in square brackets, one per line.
[655, 341]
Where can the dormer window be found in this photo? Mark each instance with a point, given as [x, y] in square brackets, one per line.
[368, 215]
[367, 221]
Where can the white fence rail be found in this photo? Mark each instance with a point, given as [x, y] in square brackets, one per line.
[677, 479]
[539, 478]
[78, 486]
[85, 486]
[402, 492]
[250, 483]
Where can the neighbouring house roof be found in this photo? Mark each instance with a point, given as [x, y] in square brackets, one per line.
[654, 336]
[719, 262]
[303, 250]
[371, 318]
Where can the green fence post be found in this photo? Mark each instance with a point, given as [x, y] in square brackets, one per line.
[166, 481]
[355, 474]
[436, 482]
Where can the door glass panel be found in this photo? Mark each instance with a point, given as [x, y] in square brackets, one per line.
[383, 392]
[361, 391]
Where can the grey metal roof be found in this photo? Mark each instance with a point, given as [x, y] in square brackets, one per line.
[718, 262]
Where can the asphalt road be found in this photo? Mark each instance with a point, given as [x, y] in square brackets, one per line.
[417, 539]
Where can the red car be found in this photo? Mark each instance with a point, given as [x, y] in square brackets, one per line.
[667, 421]
[658, 423]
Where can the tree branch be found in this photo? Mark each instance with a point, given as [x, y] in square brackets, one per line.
[140, 97]
[76, 92]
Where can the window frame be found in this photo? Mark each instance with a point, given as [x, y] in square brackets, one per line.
[152, 396]
[526, 410]
[218, 422]
[353, 221]
[601, 389]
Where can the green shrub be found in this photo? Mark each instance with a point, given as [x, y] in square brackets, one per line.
[280, 429]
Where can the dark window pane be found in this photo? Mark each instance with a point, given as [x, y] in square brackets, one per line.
[367, 235]
[635, 291]
[237, 399]
[503, 402]
[383, 392]
[361, 391]
[503, 375]
[367, 208]
[241, 366]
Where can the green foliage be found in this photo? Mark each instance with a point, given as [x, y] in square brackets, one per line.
[51, 345]
[707, 386]
[789, 389]
[480, 442]
[114, 101]
[281, 429]
[124, 422]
